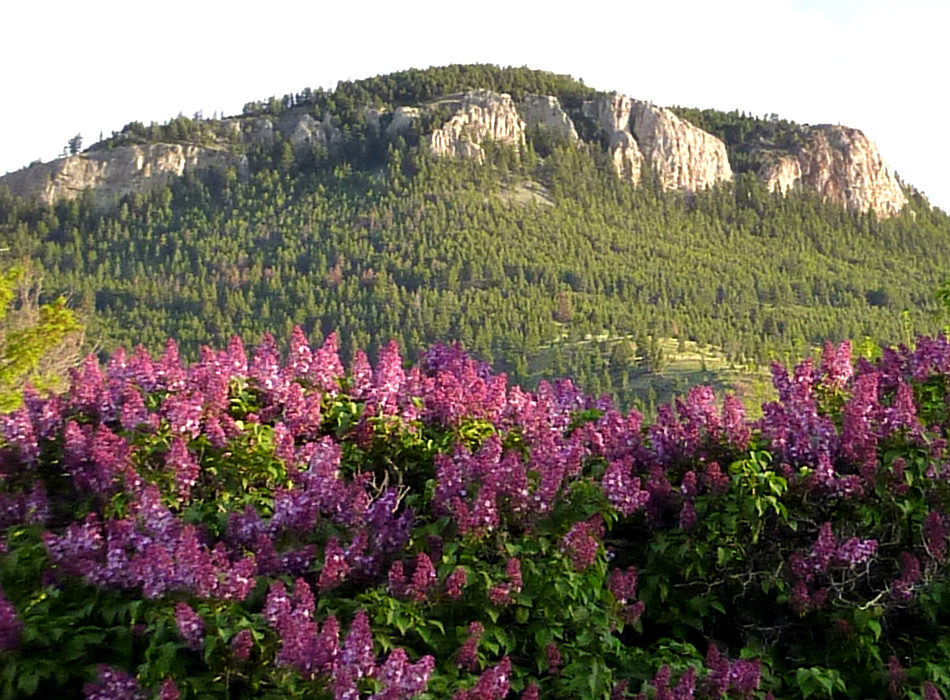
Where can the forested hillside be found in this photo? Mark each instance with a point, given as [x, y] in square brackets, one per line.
[541, 261]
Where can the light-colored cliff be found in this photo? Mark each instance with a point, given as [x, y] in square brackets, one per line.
[626, 156]
[544, 111]
[479, 115]
[682, 155]
[843, 166]
[116, 172]
[611, 112]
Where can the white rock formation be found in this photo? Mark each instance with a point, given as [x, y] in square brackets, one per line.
[114, 173]
[479, 115]
[545, 111]
[843, 166]
[682, 155]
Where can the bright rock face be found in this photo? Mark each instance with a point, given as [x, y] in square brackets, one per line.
[843, 166]
[611, 112]
[403, 117]
[682, 155]
[117, 172]
[479, 115]
[545, 111]
[306, 131]
[625, 156]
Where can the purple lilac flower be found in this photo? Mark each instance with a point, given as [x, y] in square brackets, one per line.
[10, 625]
[169, 690]
[400, 679]
[335, 569]
[424, 578]
[190, 626]
[896, 677]
[493, 684]
[398, 585]
[467, 657]
[357, 652]
[554, 658]
[902, 588]
[714, 479]
[327, 368]
[623, 490]
[16, 428]
[531, 692]
[582, 543]
[935, 536]
[113, 685]
[500, 594]
[183, 465]
[931, 692]
[241, 644]
[836, 368]
[513, 572]
[455, 583]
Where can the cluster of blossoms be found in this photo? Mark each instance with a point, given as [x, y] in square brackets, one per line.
[142, 446]
[314, 650]
[826, 556]
[721, 678]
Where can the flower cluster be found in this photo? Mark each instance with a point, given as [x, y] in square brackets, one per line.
[194, 486]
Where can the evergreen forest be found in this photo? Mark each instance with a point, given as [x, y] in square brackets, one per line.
[541, 262]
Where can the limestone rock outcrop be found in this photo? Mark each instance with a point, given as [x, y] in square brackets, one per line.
[305, 131]
[259, 131]
[843, 166]
[626, 156]
[117, 172]
[403, 118]
[479, 115]
[545, 111]
[683, 156]
[611, 112]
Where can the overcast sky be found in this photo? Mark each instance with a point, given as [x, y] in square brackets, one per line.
[91, 67]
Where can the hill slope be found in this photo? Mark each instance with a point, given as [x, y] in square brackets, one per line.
[324, 213]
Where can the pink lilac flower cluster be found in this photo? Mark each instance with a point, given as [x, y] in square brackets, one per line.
[722, 678]
[10, 625]
[113, 685]
[493, 684]
[327, 525]
[811, 571]
[582, 542]
[623, 584]
[314, 650]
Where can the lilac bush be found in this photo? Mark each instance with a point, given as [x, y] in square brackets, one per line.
[285, 524]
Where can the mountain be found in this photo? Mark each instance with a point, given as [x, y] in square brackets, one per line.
[839, 163]
[553, 229]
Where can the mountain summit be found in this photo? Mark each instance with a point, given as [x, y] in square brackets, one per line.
[840, 164]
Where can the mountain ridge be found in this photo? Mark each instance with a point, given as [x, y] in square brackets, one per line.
[839, 163]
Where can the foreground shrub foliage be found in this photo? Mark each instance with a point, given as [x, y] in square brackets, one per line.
[293, 528]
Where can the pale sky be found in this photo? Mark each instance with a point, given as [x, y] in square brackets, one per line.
[93, 66]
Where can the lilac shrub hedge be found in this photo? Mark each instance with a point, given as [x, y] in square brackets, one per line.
[293, 528]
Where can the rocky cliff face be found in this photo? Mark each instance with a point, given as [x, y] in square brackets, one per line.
[682, 155]
[304, 132]
[114, 173]
[625, 156]
[838, 163]
[544, 111]
[478, 115]
[843, 166]
[611, 112]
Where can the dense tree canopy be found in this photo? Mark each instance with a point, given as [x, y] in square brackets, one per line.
[380, 241]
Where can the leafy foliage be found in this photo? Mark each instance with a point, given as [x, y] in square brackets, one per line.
[38, 342]
[272, 527]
